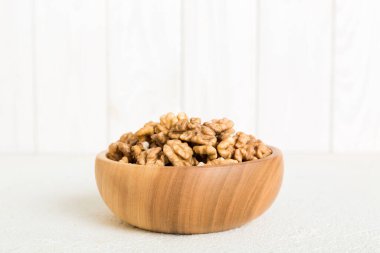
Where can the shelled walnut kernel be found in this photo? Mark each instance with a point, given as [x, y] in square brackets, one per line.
[181, 141]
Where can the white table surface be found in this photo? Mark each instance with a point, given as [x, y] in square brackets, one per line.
[326, 204]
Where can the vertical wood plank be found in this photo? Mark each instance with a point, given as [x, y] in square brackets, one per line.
[144, 62]
[220, 60]
[71, 75]
[295, 74]
[16, 76]
[357, 77]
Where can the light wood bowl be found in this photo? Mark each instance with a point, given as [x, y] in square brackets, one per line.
[189, 200]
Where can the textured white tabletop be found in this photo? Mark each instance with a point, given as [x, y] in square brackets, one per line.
[326, 204]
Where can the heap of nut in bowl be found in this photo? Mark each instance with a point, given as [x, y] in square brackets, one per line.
[181, 141]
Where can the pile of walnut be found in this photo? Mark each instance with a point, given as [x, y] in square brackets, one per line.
[180, 141]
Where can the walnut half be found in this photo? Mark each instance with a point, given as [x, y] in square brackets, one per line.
[178, 153]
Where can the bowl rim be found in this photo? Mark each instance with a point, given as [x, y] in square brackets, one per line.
[275, 153]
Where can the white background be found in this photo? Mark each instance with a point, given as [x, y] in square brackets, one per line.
[301, 75]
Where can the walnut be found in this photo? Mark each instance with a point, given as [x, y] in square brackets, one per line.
[262, 151]
[141, 158]
[117, 150]
[160, 138]
[124, 148]
[250, 150]
[124, 160]
[201, 135]
[113, 152]
[242, 139]
[220, 125]
[129, 138]
[181, 141]
[182, 116]
[173, 126]
[249, 153]
[226, 134]
[194, 123]
[221, 161]
[178, 128]
[150, 157]
[226, 147]
[180, 125]
[174, 135]
[245, 147]
[178, 153]
[168, 120]
[148, 129]
[246, 153]
[194, 161]
[137, 150]
[238, 155]
[159, 128]
[164, 158]
[207, 150]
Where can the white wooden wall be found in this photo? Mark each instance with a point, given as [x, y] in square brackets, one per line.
[301, 75]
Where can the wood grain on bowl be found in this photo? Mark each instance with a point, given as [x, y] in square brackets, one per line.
[189, 200]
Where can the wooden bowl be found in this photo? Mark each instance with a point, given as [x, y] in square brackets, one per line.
[189, 200]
